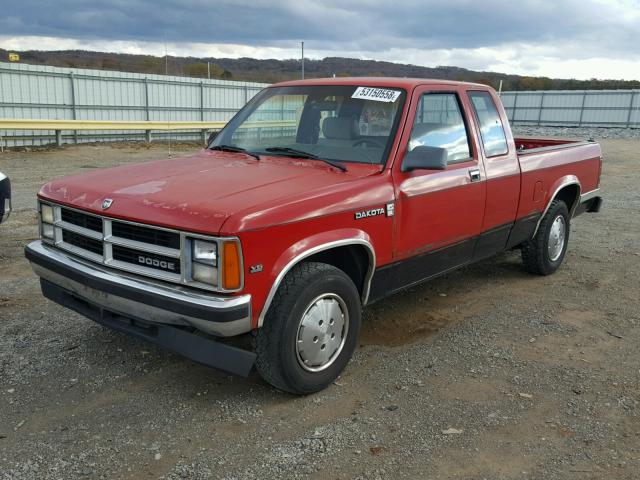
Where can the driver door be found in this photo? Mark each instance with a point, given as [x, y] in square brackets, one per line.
[439, 213]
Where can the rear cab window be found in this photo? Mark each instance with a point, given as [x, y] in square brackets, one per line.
[439, 123]
[494, 140]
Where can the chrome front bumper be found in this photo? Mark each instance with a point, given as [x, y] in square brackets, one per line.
[140, 299]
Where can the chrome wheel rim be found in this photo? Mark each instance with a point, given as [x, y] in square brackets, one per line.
[557, 235]
[322, 332]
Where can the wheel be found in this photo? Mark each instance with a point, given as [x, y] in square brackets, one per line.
[543, 254]
[311, 329]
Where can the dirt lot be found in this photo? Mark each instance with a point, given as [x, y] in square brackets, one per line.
[486, 373]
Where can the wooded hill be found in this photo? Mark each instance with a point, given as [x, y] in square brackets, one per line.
[270, 71]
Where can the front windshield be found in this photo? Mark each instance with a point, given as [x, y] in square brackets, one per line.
[338, 122]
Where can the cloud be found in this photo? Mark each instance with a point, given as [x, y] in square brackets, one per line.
[519, 36]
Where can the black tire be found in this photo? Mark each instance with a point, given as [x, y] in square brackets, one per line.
[535, 252]
[275, 343]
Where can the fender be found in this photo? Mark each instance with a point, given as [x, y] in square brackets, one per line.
[557, 186]
[312, 245]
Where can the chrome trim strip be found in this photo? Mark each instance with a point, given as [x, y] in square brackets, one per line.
[151, 313]
[319, 248]
[589, 195]
[147, 272]
[144, 247]
[79, 230]
[79, 251]
[565, 183]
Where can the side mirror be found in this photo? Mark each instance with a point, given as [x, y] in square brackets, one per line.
[212, 137]
[425, 158]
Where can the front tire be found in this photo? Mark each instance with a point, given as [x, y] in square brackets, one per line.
[544, 253]
[311, 329]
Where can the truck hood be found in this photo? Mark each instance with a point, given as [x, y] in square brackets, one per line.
[199, 193]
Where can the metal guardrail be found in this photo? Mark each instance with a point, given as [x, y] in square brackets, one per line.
[19, 124]
[147, 126]
[95, 125]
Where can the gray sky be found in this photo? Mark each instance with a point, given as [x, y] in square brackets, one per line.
[565, 38]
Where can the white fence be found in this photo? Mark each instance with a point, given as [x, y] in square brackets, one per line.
[574, 108]
[41, 92]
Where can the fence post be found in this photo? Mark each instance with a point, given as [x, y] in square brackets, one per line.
[73, 103]
[541, 105]
[584, 97]
[147, 133]
[58, 138]
[633, 96]
[202, 101]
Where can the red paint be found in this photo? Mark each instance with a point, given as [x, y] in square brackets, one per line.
[280, 207]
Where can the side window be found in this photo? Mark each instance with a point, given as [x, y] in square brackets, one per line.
[439, 123]
[491, 129]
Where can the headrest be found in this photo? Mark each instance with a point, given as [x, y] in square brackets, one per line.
[341, 128]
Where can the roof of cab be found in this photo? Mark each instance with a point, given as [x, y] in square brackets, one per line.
[407, 83]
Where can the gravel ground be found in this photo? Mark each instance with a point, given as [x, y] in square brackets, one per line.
[485, 373]
[576, 132]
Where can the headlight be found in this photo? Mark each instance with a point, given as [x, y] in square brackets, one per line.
[47, 218]
[46, 213]
[204, 273]
[217, 263]
[205, 252]
[47, 231]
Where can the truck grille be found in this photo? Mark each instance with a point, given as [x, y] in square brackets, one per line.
[85, 243]
[136, 248]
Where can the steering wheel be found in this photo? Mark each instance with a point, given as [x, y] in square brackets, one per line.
[363, 141]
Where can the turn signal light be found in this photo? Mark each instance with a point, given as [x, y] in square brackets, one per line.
[231, 272]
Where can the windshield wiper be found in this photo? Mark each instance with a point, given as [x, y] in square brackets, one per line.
[231, 148]
[293, 152]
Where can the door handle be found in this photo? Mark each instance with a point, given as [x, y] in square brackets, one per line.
[474, 175]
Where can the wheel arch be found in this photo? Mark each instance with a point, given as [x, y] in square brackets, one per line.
[351, 251]
[567, 189]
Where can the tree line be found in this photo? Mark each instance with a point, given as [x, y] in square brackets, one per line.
[271, 70]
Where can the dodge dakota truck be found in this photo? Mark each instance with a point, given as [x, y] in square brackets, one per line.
[318, 198]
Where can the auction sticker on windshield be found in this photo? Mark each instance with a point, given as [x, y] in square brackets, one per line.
[376, 94]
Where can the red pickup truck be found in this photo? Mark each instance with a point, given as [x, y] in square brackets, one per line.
[318, 198]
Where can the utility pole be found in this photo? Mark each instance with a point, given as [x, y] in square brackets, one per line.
[302, 60]
[209, 70]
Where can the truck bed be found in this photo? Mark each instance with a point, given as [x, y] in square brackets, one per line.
[524, 144]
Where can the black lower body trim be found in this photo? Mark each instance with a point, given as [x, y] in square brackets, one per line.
[491, 242]
[400, 275]
[197, 348]
[522, 230]
[592, 205]
[397, 276]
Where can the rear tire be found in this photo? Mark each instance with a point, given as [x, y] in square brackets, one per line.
[311, 329]
[544, 253]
